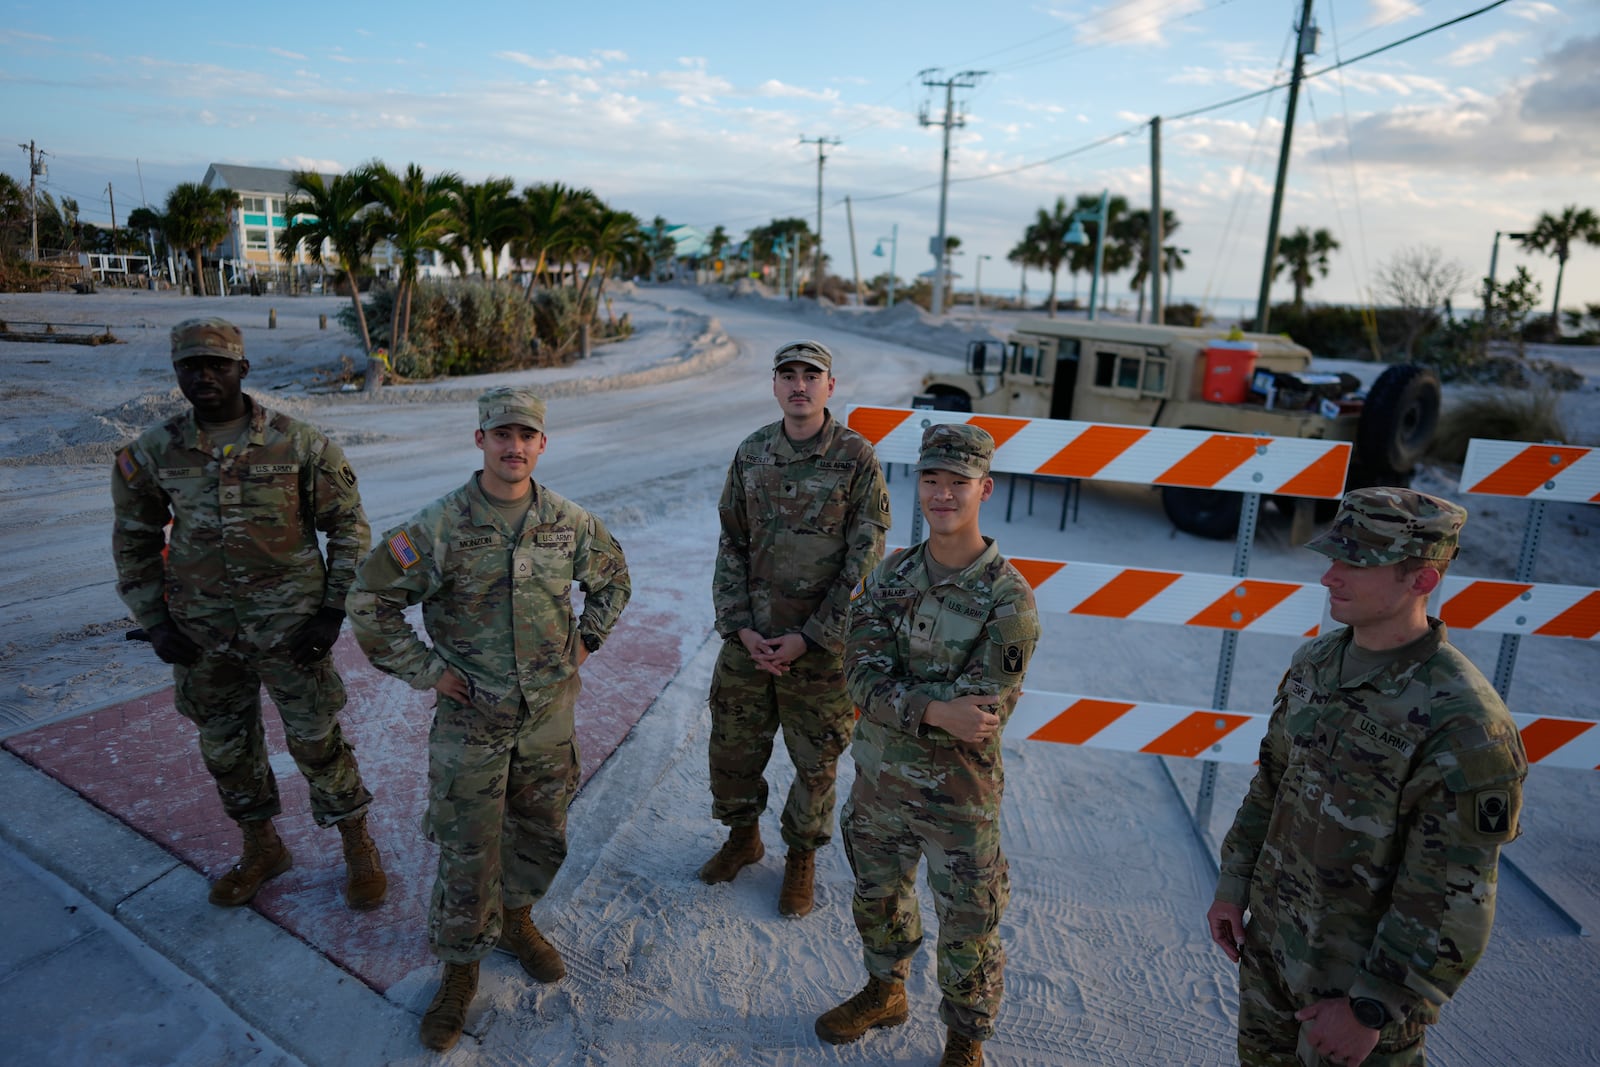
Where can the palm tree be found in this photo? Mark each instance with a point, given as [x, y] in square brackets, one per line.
[1133, 233]
[1305, 253]
[716, 243]
[608, 238]
[414, 217]
[331, 214]
[1028, 252]
[487, 218]
[1046, 236]
[1554, 235]
[196, 219]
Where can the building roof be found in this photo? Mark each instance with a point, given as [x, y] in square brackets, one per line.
[269, 180]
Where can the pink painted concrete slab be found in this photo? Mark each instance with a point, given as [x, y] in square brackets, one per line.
[139, 762]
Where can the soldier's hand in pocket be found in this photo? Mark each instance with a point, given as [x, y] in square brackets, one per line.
[172, 646]
[315, 637]
[969, 718]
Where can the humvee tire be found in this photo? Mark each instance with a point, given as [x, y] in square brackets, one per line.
[1397, 422]
[1209, 513]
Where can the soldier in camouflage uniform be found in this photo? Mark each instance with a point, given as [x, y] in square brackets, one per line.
[492, 565]
[244, 597]
[1367, 847]
[940, 637]
[803, 513]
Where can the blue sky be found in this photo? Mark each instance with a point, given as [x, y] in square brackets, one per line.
[696, 111]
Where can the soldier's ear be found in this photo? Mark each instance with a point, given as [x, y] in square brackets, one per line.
[1425, 581]
[244, 369]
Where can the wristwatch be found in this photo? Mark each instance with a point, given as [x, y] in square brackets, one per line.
[591, 642]
[1369, 1012]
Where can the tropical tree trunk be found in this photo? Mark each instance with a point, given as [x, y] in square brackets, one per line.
[1053, 294]
[1555, 307]
[197, 264]
[361, 314]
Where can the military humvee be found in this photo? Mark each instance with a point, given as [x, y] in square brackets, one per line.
[1156, 376]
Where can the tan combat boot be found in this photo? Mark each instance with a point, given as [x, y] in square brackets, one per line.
[365, 883]
[441, 1025]
[880, 1004]
[264, 857]
[799, 872]
[523, 940]
[742, 848]
[961, 1051]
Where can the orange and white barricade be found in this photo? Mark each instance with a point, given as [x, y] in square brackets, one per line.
[1541, 474]
[1285, 466]
[1533, 609]
[1235, 737]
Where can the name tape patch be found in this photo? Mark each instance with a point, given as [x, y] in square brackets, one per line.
[275, 468]
[166, 473]
[474, 542]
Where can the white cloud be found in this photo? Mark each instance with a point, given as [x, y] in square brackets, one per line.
[1534, 11]
[550, 62]
[1134, 22]
[773, 88]
[694, 87]
[1481, 50]
[320, 166]
[284, 53]
[207, 118]
[1383, 12]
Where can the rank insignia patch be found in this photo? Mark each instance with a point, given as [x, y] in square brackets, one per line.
[404, 553]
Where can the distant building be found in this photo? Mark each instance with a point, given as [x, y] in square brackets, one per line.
[690, 246]
[253, 229]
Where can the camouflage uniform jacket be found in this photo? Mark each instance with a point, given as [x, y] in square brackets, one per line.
[1368, 845]
[497, 603]
[799, 530]
[244, 563]
[913, 642]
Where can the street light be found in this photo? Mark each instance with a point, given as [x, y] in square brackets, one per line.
[894, 247]
[977, 285]
[1488, 290]
[1076, 236]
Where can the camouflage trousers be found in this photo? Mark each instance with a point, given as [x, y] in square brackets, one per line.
[971, 884]
[748, 706]
[497, 809]
[1270, 1035]
[221, 695]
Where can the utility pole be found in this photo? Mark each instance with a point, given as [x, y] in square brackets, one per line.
[820, 142]
[1157, 315]
[112, 197]
[855, 264]
[35, 168]
[1306, 45]
[950, 121]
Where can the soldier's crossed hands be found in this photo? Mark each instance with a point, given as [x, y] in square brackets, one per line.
[969, 718]
[773, 654]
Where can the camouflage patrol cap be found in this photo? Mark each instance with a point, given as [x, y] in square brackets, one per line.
[957, 447]
[812, 353]
[1377, 527]
[206, 337]
[509, 405]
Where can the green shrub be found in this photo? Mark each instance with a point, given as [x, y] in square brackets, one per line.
[467, 326]
[1336, 331]
[1499, 415]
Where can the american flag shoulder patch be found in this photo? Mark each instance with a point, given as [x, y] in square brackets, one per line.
[403, 551]
[127, 465]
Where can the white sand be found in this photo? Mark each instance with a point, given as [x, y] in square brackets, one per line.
[1109, 960]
